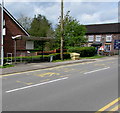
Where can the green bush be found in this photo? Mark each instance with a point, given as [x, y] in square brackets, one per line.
[83, 51]
[39, 58]
[56, 56]
[66, 55]
[29, 58]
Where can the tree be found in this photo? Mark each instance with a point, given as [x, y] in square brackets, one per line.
[25, 21]
[74, 32]
[40, 27]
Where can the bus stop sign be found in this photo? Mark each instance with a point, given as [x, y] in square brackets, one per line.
[117, 44]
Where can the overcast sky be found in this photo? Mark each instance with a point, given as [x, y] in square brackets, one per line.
[86, 12]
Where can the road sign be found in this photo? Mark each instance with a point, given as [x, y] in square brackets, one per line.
[117, 44]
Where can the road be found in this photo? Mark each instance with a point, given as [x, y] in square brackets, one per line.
[87, 86]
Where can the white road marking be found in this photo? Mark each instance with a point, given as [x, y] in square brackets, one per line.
[35, 85]
[96, 70]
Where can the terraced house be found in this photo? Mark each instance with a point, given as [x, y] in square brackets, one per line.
[103, 35]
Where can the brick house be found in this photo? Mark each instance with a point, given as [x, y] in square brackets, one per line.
[103, 35]
[97, 34]
[12, 28]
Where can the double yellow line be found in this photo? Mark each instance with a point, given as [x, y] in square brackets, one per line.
[110, 105]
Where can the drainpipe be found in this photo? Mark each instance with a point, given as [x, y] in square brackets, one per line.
[15, 50]
[103, 39]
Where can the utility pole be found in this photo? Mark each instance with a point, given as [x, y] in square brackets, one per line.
[62, 30]
[2, 52]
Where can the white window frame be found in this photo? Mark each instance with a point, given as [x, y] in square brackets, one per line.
[3, 22]
[91, 38]
[108, 36]
[29, 44]
[4, 31]
[98, 36]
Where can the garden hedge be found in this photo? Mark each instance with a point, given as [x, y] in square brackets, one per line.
[83, 51]
[39, 58]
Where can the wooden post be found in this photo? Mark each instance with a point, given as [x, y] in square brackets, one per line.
[61, 49]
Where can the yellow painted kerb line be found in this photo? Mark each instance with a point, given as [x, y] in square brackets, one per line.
[24, 72]
[50, 68]
[116, 108]
[108, 105]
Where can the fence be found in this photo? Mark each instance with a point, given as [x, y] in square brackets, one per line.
[29, 57]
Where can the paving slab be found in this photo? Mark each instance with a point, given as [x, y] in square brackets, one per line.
[43, 65]
[35, 66]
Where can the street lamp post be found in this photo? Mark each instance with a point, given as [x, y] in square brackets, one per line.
[2, 52]
[61, 49]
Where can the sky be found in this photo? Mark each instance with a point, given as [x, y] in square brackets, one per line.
[87, 12]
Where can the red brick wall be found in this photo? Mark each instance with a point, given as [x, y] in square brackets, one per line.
[114, 37]
[12, 29]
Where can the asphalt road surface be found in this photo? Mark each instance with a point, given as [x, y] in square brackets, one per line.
[87, 86]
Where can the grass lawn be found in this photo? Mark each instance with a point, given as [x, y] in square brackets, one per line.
[61, 60]
[93, 57]
[7, 65]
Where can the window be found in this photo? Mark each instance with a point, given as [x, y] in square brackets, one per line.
[91, 38]
[4, 31]
[108, 38]
[98, 38]
[29, 44]
[107, 47]
[4, 23]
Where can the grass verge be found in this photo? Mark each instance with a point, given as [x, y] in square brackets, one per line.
[6, 66]
[93, 57]
[61, 60]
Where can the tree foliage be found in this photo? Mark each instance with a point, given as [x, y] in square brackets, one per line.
[74, 32]
[25, 21]
[40, 27]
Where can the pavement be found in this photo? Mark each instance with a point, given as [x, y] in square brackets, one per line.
[35, 66]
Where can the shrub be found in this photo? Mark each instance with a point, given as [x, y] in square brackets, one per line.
[56, 56]
[83, 51]
[39, 58]
[66, 55]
